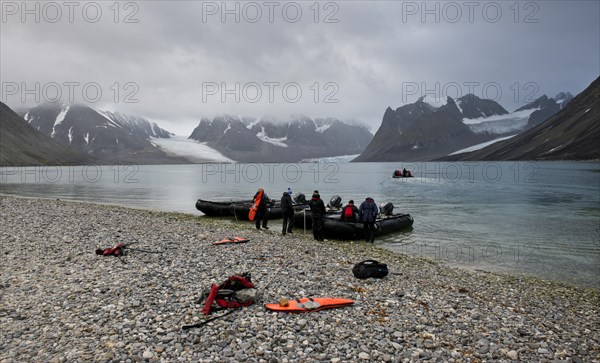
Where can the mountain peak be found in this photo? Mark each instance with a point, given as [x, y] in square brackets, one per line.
[108, 135]
[570, 134]
[275, 140]
[469, 97]
[473, 107]
[563, 99]
[563, 95]
[22, 144]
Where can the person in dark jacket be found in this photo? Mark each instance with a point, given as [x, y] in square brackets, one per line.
[317, 208]
[368, 214]
[262, 214]
[349, 215]
[287, 208]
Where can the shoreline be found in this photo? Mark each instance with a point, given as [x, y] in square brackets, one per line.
[61, 302]
[389, 248]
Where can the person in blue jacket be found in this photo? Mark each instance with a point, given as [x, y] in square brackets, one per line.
[368, 214]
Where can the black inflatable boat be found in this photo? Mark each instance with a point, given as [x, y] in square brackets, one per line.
[336, 228]
[218, 209]
[239, 209]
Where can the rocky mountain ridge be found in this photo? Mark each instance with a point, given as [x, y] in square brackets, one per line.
[421, 131]
[270, 140]
[111, 137]
[573, 133]
[22, 145]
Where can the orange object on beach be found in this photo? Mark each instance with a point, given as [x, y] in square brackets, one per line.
[309, 304]
[254, 207]
[231, 240]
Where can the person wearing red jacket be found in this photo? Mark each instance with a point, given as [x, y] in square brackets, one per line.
[349, 212]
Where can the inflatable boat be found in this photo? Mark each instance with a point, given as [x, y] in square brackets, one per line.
[399, 174]
[336, 228]
[239, 209]
[218, 209]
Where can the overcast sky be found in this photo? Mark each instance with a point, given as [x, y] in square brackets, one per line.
[175, 62]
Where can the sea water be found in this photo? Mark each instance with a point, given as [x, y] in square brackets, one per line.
[531, 218]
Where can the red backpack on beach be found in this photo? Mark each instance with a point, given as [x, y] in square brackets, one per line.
[114, 251]
[235, 292]
[348, 213]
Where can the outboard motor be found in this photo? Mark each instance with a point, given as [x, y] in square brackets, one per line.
[335, 202]
[386, 209]
[300, 198]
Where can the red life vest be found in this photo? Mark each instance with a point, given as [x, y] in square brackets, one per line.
[115, 251]
[254, 207]
[234, 283]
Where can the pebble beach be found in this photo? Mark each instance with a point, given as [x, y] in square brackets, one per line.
[60, 302]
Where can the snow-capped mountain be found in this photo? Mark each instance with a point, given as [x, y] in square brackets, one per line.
[21, 144]
[563, 98]
[136, 124]
[570, 134]
[109, 136]
[430, 129]
[472, 107]
[269, 139]
[523, 118]
[511, 123]
[421, 131]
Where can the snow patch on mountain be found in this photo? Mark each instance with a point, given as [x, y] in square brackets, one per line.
[459, 106]
[554, 149]
[59, 119]
[250, 123]
[435, 102]
[192, 150]
[500, 124]
[563, 99]
[481, 146]
[332, 159]
[262, 135]
[61, 116]
[322, 128]
[107, 116]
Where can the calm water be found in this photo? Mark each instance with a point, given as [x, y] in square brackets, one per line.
[537, 218]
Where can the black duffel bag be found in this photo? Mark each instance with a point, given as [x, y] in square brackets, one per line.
[370, 268]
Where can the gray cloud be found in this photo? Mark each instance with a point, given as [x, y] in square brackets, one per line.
[365, 55]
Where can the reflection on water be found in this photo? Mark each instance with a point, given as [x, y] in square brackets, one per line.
[535, 218]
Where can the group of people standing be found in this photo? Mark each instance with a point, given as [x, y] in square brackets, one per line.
[366, 213]
[262, 213]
